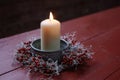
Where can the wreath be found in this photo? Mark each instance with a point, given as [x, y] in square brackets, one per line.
[75, 55]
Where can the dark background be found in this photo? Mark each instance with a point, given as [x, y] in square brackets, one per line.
[17, 16]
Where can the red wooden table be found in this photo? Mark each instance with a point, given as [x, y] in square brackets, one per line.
[102, 30]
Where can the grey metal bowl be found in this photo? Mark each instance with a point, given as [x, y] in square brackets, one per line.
[55, 55]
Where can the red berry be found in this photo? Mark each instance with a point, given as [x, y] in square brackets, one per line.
[20, 59]
[44, 65]
[31, 67]
[33, 59]
[39, 57]
[36, 61]
[29, 42]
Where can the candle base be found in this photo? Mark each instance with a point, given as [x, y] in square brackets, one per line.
[54, 55]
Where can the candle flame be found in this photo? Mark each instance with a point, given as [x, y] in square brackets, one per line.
[51, 16]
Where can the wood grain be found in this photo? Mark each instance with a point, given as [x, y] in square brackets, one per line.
[100, 30]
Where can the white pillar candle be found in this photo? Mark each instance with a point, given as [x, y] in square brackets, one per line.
[50, 34]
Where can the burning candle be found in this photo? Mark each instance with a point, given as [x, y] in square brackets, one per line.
[50, 34]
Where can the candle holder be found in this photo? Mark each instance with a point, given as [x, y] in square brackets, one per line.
[54, 55]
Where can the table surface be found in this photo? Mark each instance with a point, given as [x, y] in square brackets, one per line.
[102, 30]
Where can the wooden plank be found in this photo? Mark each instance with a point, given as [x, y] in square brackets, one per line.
[86, 27]
[104, 63]
[96, 24]
[8, 48]
[114, 76]
[109, 43]
[84, 74]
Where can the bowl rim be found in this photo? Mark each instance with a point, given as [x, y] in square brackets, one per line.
[38, 50]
